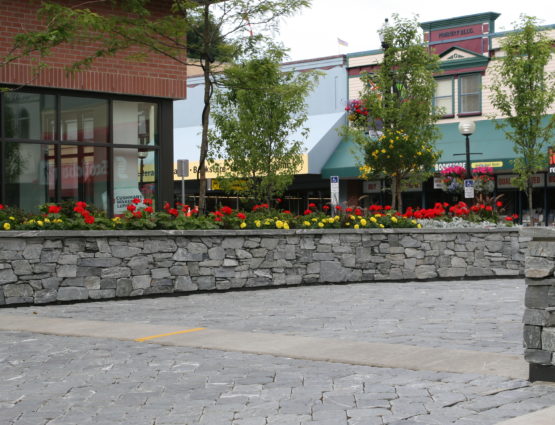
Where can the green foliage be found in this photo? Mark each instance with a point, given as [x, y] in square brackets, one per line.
[399, 98]
[257, 115]
[523, 91]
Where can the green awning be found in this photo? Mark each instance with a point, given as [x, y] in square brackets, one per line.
[344, 161]
[495, 150]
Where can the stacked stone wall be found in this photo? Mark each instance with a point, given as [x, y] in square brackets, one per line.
[539, 315]
[46, 267]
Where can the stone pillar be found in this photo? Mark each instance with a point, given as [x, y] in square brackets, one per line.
[539, 315]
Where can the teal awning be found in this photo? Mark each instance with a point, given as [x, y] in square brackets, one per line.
[344, 161]
[494, 148]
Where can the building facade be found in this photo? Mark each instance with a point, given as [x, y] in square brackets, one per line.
[103, 135]
[326, 115]
[467, 47]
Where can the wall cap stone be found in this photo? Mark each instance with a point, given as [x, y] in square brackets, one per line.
[47, 234]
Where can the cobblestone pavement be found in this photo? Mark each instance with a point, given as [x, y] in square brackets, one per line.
[54, 380]
[483, 315]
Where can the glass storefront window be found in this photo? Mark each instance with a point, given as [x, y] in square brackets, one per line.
[30, 173]
[135, 123]
[444, 95]
[84, 174]
[29, 116]
[84, 119]
[134, 176]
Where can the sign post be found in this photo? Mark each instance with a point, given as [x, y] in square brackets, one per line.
[334, 192]
[469, 188]
[183, 171]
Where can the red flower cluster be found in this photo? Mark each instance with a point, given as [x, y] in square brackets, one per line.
[356, 107]
[80, 208]
[54, 209]
[241, 216]
[261, 206]
[1, 207]
[511, 217]
[226, 210]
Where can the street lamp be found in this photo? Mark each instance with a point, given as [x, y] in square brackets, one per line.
[467, 128]
[142, 156]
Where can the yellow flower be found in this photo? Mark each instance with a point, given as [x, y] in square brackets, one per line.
[12, 218]
[243, 225]
[306, 223]
[382, 226]
[286, 225]
[419, 153]
[315, 219]
[31, 221]
[363, 222]
[378, 215]
[40, 223]
[320, 224]
[373, 219]
[279, 224]
[337, 218]
[7, 226]
[356, 226]
[59, 220]
[413, 221]
[347, 224]
[394, 219]
[419, 226]
[257, 223]
[267, 223]
[47, 220]
[352, 217]
[384, 151]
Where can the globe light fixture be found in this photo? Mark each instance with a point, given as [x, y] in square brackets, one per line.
[467, 128]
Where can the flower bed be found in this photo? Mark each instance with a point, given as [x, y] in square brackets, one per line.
[141, 215]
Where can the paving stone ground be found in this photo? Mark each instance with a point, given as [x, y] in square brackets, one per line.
[54, 380]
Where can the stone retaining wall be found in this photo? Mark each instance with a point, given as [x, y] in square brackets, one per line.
[39, 267]
[539, 316]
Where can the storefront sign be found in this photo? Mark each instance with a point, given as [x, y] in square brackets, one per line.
[414, 187]
[492, 164]
[334, 190]
[372, 186]
[505, 181]
[437, 183]
[469, 188]
[124, 197]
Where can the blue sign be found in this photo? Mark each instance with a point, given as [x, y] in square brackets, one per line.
[334, 179]
[469, 183]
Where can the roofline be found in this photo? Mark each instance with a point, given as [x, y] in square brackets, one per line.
[459, 20]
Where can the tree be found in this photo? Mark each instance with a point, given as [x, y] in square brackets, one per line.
[257, 115]
[523, 91]
[396, 105]
[215, 27]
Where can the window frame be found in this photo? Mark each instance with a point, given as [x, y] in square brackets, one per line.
[452, 78]
[460, 95]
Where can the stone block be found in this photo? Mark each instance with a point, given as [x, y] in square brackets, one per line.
[18, 290]
[538, 267]
[205, 282]
[125, 251]
[538, 356]
[161, 282]
[242, 254]
[409, 264]
[409, 242]
[98, 262]
[541, 249]
[141, 282]
[183, 254]
[268, 243]
[49, 256]
[329, 239]
[539, 317]
[532, 337]
[13, 244]
[185, 284]
[92, 282]
[536, 296]
[216, 253]
[548, 339]
[414, 253]
[51, 282]
[234, 243]
[160, 245]
[115, 272]
[72, 293]
[108, 283]
[506, 272]
[68, 259]
[88, 271]
[7, 276]
[32, 252]
[46, 296]
[452, 272]
[160, 273]
[307, 243]
[101, 294]
[478, 271]
[124, 287]
[66, 271]
[179, 270]
[458, 262]
[332, 271]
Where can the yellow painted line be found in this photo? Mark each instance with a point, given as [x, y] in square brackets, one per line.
[146, 338]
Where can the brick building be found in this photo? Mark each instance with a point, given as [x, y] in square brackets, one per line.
[103, 135]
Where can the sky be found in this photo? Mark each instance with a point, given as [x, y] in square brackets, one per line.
[314, 32]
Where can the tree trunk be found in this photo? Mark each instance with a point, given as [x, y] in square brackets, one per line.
[529, 191]
[399, 203]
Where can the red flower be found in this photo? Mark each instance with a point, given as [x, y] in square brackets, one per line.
[79, 210]
[226, 210]
[358, 211]
[147, 201]
[499, 204]
[338, 207]
[387, 207]
[509, 218]
[286, 212]
[54, 209]
[131, 207]
[279, 200]
[515, 216]
[326, 207]
[1, 207]
[173, 212]
[185, 208]
[89, 219]
[149, 209]
[217, 219]
[307, 212]
[136, 201]
[138, 214]
[218, 214]
[241, 216]
[312, 205]
[348, 210]
[489, 208]
[166, 205]
[81, 204]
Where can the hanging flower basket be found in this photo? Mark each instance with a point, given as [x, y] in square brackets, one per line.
[483, 180]
[452, 179]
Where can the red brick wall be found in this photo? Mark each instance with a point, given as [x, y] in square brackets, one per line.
[156, 75]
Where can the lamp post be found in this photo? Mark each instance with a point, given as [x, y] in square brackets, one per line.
[142, 156]
[467, 128]
[382, 32]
